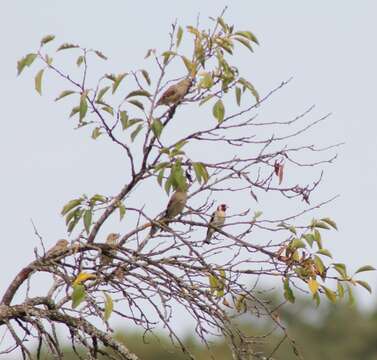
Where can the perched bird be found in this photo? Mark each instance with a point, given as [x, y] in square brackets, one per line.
[111, 240]
[60, 246]
[175, 206]
[217, 219]
[175, 92]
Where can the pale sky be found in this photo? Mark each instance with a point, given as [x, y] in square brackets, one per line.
[328, 47]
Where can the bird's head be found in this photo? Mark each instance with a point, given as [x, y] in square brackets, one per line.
[222, 207]
[62, 243]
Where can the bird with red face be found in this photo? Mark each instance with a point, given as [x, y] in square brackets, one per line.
[217, 220]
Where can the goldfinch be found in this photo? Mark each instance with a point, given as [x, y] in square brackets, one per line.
[111, 240]
[60, 246]
[175, 206]
[217, 220]
[175, 92]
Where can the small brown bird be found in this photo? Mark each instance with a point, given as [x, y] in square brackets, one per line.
[60, 246]
[217, 219]
[175, 92]
[111, 240]
[175, 206]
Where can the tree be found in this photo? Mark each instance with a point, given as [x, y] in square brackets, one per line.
[144, 275]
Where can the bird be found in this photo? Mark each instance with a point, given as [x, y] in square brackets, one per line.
[217, 220]
[60, 246]
[175, 206]
[111, 240]
[175, 92]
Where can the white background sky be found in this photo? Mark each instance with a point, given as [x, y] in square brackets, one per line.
[329, 47]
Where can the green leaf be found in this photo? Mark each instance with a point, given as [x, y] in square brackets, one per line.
[137, 104]
[25, 61]
[319, 225]
[288, 293]
[319, 264]
[78, 295]
[248, 35]
[247, 85]
[351, 299]
[122, 211]
[136, 132]
[297, 244]
[318, 238]
[138, 93]
[365, 268]
[238, 95]
[98, 198]
[213, 283]
[160, 176]
[341, 269]
[168, 184]
[38, 81]
[309, 239]
[108, 109]
[244, 42]
[146, 76]
[70, 205]
[149, 53]
[177, 176]
[166, 55]
[124, 119]
[74, 111]
[77, 214]
[64, 94]
[101, 93]
[179, 36]
[109, 305]
[79, 60]
[48, 60]
[313, 286]
[83, 108]
[222, 24]
[100, 54]
[257, 214]
[206, 81]
[219, 111]
[330, 222]
[47, 39]
[132, 122]
[157, 128]
[331, 295]
[324, 252]
[364, 284]
[118, 79]
[201, 172]
[87, 219]
[190, 66]
[96, 133]
[67, 46]
[340, 290]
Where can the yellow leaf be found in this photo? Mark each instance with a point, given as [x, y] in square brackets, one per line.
[82, 277]
[313, 286]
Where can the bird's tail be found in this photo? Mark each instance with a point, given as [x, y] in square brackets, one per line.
[208, 237]
[154, 228]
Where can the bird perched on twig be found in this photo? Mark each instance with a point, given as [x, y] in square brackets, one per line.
[175, 92]
[60, 246]
[217, 220]
[175, 206]
[111, 240]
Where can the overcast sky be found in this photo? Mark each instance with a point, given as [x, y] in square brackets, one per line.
[329, 48]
